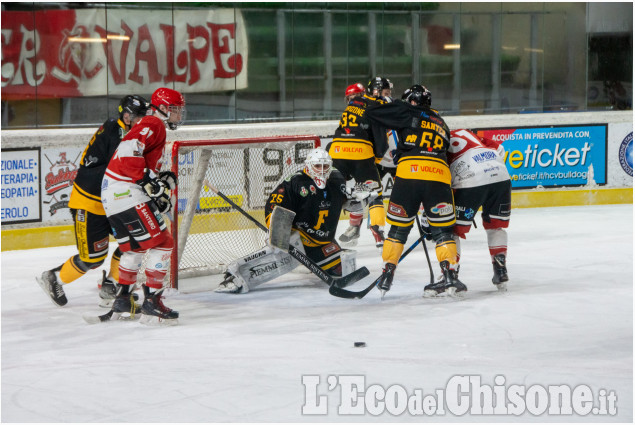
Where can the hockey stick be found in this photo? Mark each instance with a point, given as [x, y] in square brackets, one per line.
[298, 255]
[409, 250]
[343, 293]
[425, 248]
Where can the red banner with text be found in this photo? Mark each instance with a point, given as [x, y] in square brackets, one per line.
[71, 53]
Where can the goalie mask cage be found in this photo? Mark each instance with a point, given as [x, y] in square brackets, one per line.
[208, 233]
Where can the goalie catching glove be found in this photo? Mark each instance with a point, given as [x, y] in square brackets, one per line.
[359, 199]
[158, 188]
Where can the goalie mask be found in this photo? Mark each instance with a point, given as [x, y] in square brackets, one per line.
[174, 103]
[318, 166]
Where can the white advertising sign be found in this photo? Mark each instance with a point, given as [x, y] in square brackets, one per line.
[20, 185]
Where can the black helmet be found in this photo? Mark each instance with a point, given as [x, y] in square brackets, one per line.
[379, 84]
[135, 105]
[419, 94]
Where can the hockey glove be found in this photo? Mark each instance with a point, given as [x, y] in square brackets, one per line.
[163, 203]
[158, 191]
[353, 206]
[169, 178]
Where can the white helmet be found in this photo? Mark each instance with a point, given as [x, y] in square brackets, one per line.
[318, 166]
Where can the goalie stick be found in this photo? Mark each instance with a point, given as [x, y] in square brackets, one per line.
[298, 255]
[343, 293]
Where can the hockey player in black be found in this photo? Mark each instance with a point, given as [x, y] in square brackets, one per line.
[317, 195]
[422, 178]
[92, 229]
[355, 152]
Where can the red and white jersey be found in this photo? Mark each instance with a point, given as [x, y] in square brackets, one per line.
[140, 149]
[475, 161]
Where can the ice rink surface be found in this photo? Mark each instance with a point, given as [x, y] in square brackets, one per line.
[567, 319]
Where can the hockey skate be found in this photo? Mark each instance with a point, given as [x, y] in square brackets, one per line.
[108, 291]
[154, 311]
[385, 280]
[448, 283]
[124, 304]
[434, 289]
[378, 234]
[500, 272]
[52, 286]
[350, 236]
[230, 286]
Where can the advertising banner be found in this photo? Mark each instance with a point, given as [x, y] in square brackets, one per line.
[94, 52]
[554, 156]
[21, 193]
[59, 169]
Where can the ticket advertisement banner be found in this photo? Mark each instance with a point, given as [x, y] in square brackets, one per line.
[114, 51]
[553, 156]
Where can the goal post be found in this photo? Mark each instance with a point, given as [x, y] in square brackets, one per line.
[208, 233]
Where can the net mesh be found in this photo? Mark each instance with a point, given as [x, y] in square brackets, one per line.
[210, 232]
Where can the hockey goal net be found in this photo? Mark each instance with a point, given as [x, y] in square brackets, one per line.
[208, 233]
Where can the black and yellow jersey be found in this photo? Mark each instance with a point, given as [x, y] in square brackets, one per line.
[317, 211]
[424, 139]
[354, 138]
[86, 192]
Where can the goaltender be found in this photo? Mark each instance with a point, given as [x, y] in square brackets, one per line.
[316, 194]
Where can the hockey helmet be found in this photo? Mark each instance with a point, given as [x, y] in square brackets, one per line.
[377, 85]
[353, 90]
[175, 104]
[418, 94]
[135, 106]
[318, 165]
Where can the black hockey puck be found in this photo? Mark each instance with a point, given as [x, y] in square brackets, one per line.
[359, 344]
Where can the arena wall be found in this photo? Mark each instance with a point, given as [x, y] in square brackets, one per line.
[35, 191]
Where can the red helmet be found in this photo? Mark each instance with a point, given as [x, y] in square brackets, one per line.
[356, 88]
[167, 97]
[174, 102]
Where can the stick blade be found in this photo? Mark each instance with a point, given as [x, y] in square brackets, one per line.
[344, 293]
[351, 278]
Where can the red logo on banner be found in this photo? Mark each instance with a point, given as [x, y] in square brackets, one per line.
[61, 176]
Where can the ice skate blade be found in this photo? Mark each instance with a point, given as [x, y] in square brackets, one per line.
[502, 287]
[452, 292]
[431, 293]
[150, 320]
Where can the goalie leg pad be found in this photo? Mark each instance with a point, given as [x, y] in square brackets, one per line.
[261, 266]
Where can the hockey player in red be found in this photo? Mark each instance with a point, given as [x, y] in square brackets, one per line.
[134, 195]
[91, 226]
[480, 179]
